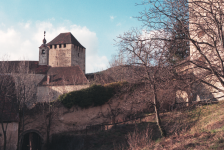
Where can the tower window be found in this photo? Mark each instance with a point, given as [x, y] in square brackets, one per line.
[43, 51]
[50, 46]
[64, 45]
[59, 45]
[55, 46]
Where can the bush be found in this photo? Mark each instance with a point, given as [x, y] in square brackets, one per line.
[96, 95]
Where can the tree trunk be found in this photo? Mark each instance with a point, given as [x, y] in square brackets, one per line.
[158, 120]
[4, 129]
[19, 130]
[4, 132]
[48, 128]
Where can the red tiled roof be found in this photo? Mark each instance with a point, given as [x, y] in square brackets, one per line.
[65, 76]
[65, 38]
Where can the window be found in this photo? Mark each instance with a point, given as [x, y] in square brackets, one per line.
[64, 45]
[55, 46]
[50, 46]
[43, 51]
[59, 45]
[78, 54]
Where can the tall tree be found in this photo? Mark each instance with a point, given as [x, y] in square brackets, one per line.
[148, 64]
[205, 35]
[17, 90]
[8, 104]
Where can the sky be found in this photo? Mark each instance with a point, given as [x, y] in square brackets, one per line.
[94, 23]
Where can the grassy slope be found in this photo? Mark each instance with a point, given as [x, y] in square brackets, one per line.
[192, 128]
[197, 128]
[204, 129]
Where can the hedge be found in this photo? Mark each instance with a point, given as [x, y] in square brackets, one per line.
[95, 95]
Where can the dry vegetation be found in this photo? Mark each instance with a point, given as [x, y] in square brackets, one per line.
[200, 127]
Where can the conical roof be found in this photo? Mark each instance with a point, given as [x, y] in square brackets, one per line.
[65, 38]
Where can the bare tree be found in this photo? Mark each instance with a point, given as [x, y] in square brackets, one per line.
[18, 90]
[8, 104]
[202, 26]
[147, 61]
[169, 28]
[26, 88]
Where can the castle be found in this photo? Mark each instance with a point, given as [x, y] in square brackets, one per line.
[64, 60]
[60, 69]
[63, 51]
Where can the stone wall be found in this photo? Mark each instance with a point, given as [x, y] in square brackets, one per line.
[203, 29]
[11, 135]
[46, 93]
[62, 119]
[43, 56]
[71, 55]
[31, 85]
[60, 57]
[182, 97]
[78, 57]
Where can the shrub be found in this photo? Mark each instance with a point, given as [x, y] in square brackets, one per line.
[95, 95]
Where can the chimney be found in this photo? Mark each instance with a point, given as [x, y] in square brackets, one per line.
[48, 79]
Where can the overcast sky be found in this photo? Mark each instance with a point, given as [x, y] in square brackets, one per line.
[94, 23]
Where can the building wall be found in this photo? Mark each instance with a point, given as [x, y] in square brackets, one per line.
[78, 57]
[76, 118]
[31, 85]
[11, 135]
[71, 55]
[43, 57]
[60, 57]
[197, 27]
[46, 93]
[181, 96]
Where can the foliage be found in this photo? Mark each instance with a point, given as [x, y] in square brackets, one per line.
[95, 95]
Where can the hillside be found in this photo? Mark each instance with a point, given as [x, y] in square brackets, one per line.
[198, 127]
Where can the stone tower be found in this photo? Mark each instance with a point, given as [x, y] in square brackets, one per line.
[65, 51]
[44, 53]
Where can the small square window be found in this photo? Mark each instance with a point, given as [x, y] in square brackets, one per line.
[59, 45]
[64, 45]
[50, 46]
[55, 46]
[43, 51]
